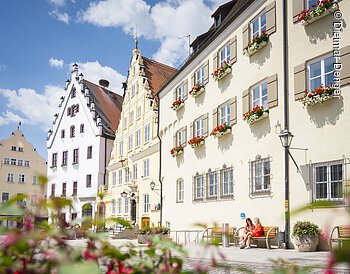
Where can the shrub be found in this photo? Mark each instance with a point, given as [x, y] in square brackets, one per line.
[302, 228]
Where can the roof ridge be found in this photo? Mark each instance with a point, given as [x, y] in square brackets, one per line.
[170, 67]
[103, 88]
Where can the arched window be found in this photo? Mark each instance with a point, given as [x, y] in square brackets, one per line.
[72, 131]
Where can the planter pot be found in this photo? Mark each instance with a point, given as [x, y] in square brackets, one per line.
[327, 12]
[227, 71]
[307, 243]
[178, 106]
[145, 238]
[220, 134]
[254, 48]
[321, 101]
[263, 116]
[178, 153]
[197, 145]
[195, 94]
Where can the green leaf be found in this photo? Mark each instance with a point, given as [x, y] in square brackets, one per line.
[83, 267]
[120, 221]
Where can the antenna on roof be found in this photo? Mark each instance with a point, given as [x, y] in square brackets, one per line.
[135, 38]
[189, 42]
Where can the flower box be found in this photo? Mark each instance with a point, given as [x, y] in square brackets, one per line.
[177, 151]
[221, 130]
[256, 114]
[256, 44]
[317, 96]
[197, 90]
[324, 8]
[196, 141]
[222, 71]
[177, 104]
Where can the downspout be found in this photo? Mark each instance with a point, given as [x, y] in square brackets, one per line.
[160, 165]
[104, 176]
[286, 120]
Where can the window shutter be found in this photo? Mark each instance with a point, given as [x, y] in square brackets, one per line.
[174, 95]
[345, 70]
[205, 125]
[298, 7]
[193, 79]
[206, 72]
[299, 81]
[174, 140]
[185, 89]
[245, 101]
[215, 117]
[233, 111]
[233, 50]
[215, 62]
[271, 18]
[184, 135]
[191, 130]
[272, 91]
[245, 35]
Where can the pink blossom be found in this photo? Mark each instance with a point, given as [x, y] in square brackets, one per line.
[50, 254]
[7, 240]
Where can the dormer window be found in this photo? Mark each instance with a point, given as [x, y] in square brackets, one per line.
[218, 20]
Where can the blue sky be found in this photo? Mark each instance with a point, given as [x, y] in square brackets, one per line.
[40, 39]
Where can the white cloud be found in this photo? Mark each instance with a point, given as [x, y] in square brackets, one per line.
[56, 63]
[94, 71]
[60, 16]
[31, 107]
[59, 3]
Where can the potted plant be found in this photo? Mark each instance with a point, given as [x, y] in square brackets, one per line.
[179, 103]
[147, 234]
[317, 96]
[257, 113]
[306, 236]
[196, 141]
[197, 89]
[258, 42]
[221, 130]
[177, 150]
[222, 71]
[317, 11]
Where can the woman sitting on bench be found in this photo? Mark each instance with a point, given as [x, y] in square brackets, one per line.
[256, 232]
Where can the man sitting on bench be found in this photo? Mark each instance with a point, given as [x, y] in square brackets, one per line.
[256, 232]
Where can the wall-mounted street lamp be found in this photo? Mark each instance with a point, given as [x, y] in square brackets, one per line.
[152, 185]
[124, 194]
[286, 138]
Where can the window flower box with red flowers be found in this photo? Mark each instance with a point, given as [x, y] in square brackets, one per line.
[196, 141]
[317, 96]
[221, 130]
[177, 151]
[256, 114]
[256, 44]
[177, 104]
[222, 71]
[197, 89]
[322, 9]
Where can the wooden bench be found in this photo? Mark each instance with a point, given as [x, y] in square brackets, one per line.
[343, 235]
[214, 234]
[270, 233]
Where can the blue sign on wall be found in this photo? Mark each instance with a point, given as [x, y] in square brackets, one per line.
[242, 215]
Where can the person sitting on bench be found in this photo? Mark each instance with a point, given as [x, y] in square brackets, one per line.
[256, 232]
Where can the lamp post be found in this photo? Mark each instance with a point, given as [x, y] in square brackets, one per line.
[286, 140]
[124, 194]
[152, 185]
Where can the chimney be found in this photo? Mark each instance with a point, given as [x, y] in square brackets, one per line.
[104, 83]
[75, 70]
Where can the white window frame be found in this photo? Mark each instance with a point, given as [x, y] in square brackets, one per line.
[139, 112]
[200, 75]
[132, 116]
[133, 90]
[125, 122]
[213, 184]
[261, 100]
[119, 206]
[121, 148]
[180, 92]
[10, 177]
[13, 161]
[138, 138]
[199, 187]
[33, 199]
[261, 27]
[225, 54]
[21, 178]
[120, 176]
[6, 161]
[179, 137]
[323, 73]
[26, 163]
[20, 162]
[131, 142]
[146, 203]
[126, 206]
[225, 113]
[34, 180]
[114, 178]
[199, 127]
[147, 133]
[227, 182]
[114, 206]
[180, 191]
[261, 174]
[9, 196]
[145, 168]
[127, 175]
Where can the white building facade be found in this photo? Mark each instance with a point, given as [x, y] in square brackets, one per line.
[79, 145]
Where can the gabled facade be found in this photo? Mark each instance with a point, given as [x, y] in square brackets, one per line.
[79, 144]
[234, 167]
[134, 161]
[21, 166]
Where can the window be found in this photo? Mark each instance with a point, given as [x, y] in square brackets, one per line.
[6, 161]
[328, 181]
[114, 206]
[21, 178]
[227, 182]
[258, 25]
[119, 204]
[21, 199]
[213, 185]
[180, 191]
[53, 190]
[133, 90]
[20, 162]
[132, 116]
[33, 199]
[147, 133]
[13, 148]
[199, 187]
[146, 168]
[199, 127]
[200, 76]
[74, 216]
[225, 55]
[20, 149]
[63, 133]
[88, 180]
[74, 92]
[64, 158]
[179, 137]
[35, 181]
[138, 138]
[89, 152]
[320, 72]
[260, 175]
[75, 156]
[126, 205]
[121, 148]
[224, 112]
[114, 178]
[13, 162]
[10, 177]
[311, 4]
[54, 160]
[125, 122]
[64, 189]
[180, 92]
[127, 175]
[69, 111]
[120, 176]
[259, 95]
[218, 20]
[134, 171]
[5, 196]
[139, 112]
[26, 163]
[72, 131]
[75, 188]
[146, 203]
[82, 128]
[131, 142]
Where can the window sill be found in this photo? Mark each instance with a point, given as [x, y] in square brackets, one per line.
[52, 167]
[64, 165]
[260, 193]
[327, 204]
[254, 49]
[226, 197]
[263, 116]
[324, 14]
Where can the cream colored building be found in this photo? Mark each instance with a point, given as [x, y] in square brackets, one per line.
[134, 161]
[241, 174]
[21, 166]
